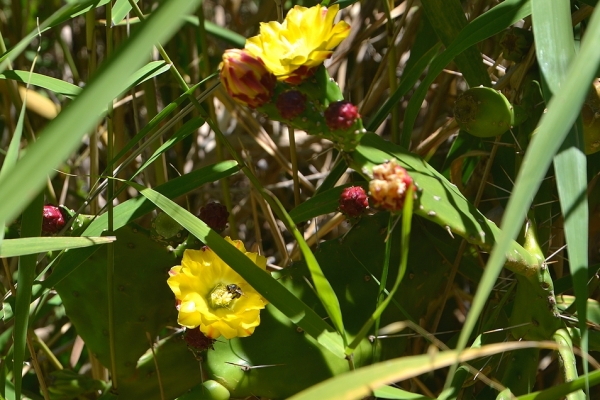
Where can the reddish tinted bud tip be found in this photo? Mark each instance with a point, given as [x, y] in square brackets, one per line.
[354, 201]
[215, 216]
[291, 104]
[246, 78]
[53, 219]
[341, 115]
[196, 339]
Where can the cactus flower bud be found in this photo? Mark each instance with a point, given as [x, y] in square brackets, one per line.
[389, 186]
[198, 340]
[246, 78]
[341, 115]
[354, 201]
[215, 216]
[53, 219]
[290, 104]
[483, 112]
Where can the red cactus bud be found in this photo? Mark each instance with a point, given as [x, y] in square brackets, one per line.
[354, 201]
[389, 186]
[291, 104]
[214, 215]
[246, 78]
[341, 115]
[53, 219]
[196, 339]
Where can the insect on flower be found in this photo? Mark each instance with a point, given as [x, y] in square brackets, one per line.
[235, 290]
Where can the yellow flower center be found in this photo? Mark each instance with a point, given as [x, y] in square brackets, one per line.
[221, 296]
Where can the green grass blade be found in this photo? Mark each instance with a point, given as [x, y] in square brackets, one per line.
[64, 133]
[448, 18]
[555, 50]
[55, 85]
[490, 23]
[31, 226]
[562, 112]
[275, 293]
[560, 391]
[120, 11]
[360, 383]
[25, 246]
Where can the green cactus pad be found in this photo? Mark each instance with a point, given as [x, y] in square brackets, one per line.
[142, 300]
[279, 360]
[483, 112]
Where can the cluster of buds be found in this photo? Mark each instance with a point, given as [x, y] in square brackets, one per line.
[341, 115]
[389, 186]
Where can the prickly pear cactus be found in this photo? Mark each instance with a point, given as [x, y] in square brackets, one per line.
[142, 301]
[279, 360]
[316, 94]
[483, 112]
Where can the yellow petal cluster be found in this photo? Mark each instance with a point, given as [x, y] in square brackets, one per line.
[202, 285]
[302, 42]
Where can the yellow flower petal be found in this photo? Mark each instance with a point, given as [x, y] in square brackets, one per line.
[302, 42]
[201, 276]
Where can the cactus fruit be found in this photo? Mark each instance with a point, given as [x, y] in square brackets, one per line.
[590, 115]
[483, 112]
[354, 201]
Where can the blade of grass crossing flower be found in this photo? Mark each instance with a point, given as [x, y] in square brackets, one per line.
[555, 50]
[31, 226]
[275, 293]
[64, 133]
[123, 214]
[490, 23]
[25, 246]
[554, 126]
[407, 212]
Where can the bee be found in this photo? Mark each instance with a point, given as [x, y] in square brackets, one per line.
[235, 290]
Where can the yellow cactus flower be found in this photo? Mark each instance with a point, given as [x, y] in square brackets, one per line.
[246, 78]
[214, 297]
[293, 49]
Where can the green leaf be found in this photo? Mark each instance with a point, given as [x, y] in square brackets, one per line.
[55, 85]
[64, 133]
[120, 11]
[24, 246]
[555, 50]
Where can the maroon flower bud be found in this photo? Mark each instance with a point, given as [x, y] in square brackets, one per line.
[196, 339]
[389, 186]
[354, 201]
[246, 78]
[53, 219]
[291, 104]
[341, 115]
[215, 216]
